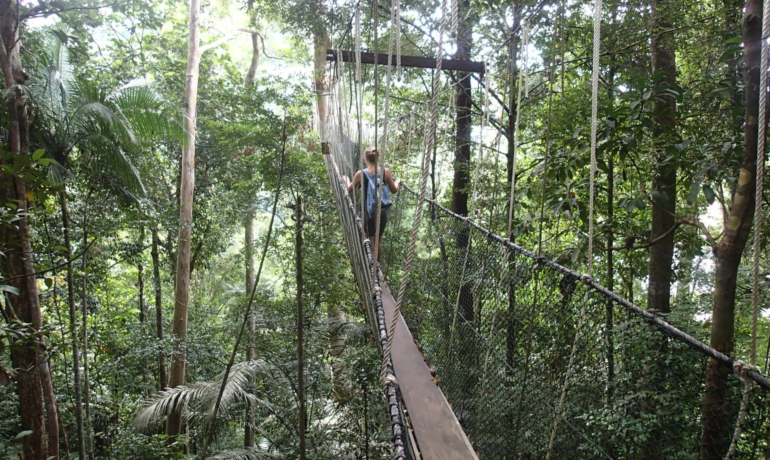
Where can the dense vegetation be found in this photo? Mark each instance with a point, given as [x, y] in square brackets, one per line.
[151, 162]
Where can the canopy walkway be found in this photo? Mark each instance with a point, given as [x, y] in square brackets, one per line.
[525, 364]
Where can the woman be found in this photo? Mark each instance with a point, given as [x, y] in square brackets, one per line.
[371, 156]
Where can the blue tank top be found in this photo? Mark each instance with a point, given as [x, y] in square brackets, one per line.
[371, 193]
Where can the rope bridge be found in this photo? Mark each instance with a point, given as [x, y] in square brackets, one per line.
[519, 346]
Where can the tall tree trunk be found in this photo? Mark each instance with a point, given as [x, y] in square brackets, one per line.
[254, 58]
[73, 325]
[26, 304]
[663, 210]
[336, 347]
[463, 151]
[300, 331]
[187, 174]
[51, 409]
[89, 433]
[716, 429]
[663, 46]
[321, 44]
[162, 378]
[248, 439]
[512, 323]
[248, 432]
[142, 315]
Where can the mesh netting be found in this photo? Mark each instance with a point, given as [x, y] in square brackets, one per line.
[499, 326]
[522, 351]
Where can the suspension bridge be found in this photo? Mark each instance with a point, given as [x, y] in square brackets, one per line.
[473, 337]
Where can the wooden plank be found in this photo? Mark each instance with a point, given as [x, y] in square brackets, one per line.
[409, 61]
[438, 433]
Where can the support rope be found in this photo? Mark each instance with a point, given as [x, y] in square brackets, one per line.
[511, 201]
[594, 128]
[759, 176]
[423, 181]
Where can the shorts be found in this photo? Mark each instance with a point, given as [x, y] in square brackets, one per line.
[371, 223]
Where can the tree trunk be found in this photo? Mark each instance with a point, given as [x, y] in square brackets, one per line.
[187, 175]
[300, 331]
[89, 433]
[336, 347]
[26, 304]
[248, 438]
[51, 409]
[162, 378]
[73, 325]
[716, 429]
[142, 315]
[254, 59]
[321, 44]
[512, 323]
[663, 47]
[463, 155]
[663, 210]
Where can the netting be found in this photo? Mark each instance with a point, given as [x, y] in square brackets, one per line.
[520, 346]
[337, 145]
[499, 332]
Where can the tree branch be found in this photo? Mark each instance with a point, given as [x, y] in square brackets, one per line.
[63, 264]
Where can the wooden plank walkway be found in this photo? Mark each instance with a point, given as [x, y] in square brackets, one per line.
[438, 433]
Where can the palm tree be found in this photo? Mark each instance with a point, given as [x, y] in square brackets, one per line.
[197, 401]
[75, 119]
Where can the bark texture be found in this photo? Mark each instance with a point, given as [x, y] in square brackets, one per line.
[24, 306]
[162, 377]
[716, 429]
[184, 240]
[300, 331]
[462, 157]
[663, 47]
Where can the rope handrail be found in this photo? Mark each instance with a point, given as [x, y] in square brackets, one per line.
[389, 379]
[648, 317]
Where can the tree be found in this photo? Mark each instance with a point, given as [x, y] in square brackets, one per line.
[663, 48]
[716, 436]
[24, 303]
[184, 240]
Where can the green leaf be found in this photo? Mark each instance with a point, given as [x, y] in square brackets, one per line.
[734, 40]
[11, 289]
[23, 434]
[38, 154]
[709, 192]
[694, 190]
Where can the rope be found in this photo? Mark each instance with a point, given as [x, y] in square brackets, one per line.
[398, 40]
[386, 111]
[516, 125]
[455, 17]
[594, 125]
[741, 369]
[358, 43]
[649, 318]
[759, 176]
[424, 180]
[525, 46]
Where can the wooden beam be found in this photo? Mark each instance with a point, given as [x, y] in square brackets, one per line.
[409, 61]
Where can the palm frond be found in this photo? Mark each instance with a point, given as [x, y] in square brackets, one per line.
[200, 398]
[244, 453]
[349, 329]
[159, 405]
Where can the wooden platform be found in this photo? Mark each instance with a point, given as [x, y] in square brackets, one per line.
[438, 433]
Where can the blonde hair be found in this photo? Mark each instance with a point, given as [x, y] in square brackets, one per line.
[372, 155]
